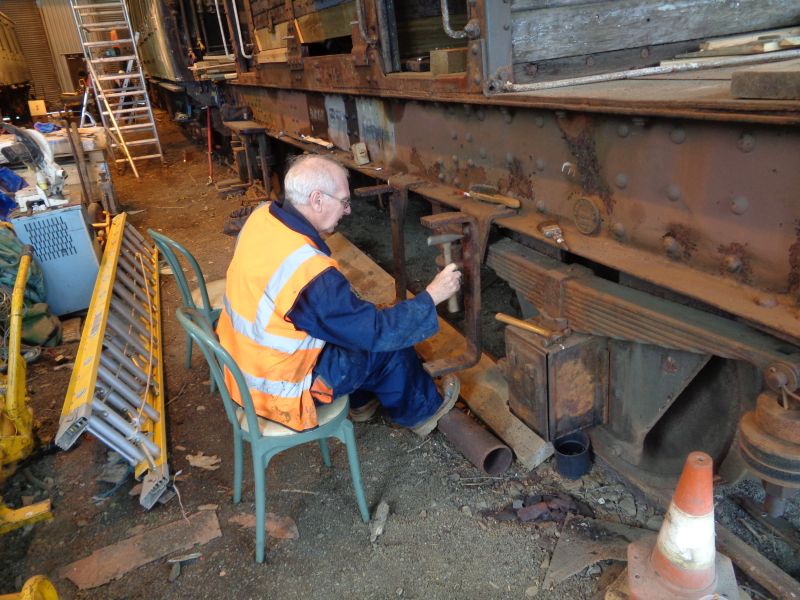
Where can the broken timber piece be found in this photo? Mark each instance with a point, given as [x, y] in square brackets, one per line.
[483, 386]
[113, 562]
[449, 60]
[584, 542]
[775, 81]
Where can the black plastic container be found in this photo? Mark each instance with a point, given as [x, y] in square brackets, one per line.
[573, 455]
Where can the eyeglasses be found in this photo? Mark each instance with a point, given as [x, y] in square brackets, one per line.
[345, 202]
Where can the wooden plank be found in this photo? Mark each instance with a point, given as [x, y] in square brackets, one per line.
[758, 47]
[326, 24]
[483, 387]
[775, 81]
[112, 562]
[586, 29]
[276, 55]
[735, 40]
[450, 60]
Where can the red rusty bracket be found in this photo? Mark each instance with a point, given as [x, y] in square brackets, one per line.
[472, 292]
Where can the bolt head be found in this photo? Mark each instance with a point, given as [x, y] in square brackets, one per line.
[678, 135]
[747, 142]
[674, 192]
[621, 180]
[739, 205]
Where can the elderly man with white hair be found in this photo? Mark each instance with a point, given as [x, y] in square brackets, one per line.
[299, 333]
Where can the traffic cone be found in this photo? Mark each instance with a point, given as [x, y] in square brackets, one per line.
[683, 562]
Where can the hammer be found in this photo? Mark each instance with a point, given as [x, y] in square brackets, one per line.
[445, 240]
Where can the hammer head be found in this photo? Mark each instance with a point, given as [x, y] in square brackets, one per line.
[445, 238]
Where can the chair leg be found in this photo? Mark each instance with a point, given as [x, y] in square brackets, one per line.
[326, 454]
[260, 482]
[188, 352]
[355, 469]
[237, 466]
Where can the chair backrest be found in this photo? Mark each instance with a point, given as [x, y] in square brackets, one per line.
[199, 329]
[167, 247]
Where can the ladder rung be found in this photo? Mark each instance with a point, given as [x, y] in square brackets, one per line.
[105, 26]
[126, 110]
[143, 157]
[136, 142]
[136, 126]
[99, 5]
[118, 94]
[97, 61]
[107, 43]
[118, 76]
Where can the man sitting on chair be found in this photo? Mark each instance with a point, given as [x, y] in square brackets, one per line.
[300, 334]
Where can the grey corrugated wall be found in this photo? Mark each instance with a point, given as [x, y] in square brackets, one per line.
[33, 42]
[62, 35]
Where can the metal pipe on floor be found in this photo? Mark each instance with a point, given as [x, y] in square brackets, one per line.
[477, 444]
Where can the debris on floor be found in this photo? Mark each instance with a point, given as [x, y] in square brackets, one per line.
[112, 562]
[278, 527]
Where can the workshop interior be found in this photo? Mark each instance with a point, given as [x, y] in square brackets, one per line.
[616, 183]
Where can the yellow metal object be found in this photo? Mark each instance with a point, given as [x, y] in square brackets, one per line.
[116, 389]
[36, 588]
[16, 419]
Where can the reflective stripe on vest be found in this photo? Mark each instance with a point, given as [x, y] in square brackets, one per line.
[271, 266]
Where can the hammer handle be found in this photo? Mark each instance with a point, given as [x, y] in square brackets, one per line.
[452, 301]
[526, 325]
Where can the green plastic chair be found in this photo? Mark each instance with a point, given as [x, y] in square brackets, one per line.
[168, 247]
[268, 438]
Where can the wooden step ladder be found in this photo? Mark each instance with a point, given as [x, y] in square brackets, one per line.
[117, 79]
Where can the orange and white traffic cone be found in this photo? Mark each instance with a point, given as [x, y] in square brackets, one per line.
[683, 563]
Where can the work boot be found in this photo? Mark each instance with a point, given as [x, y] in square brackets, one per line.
[365, 412]
[450, 389]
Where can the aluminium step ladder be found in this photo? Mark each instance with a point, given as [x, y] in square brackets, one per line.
[109, 46]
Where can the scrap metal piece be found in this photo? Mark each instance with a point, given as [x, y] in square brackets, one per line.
[584, 542]
[480, 446]
[116, 389]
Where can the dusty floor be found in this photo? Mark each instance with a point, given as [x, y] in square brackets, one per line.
[445, 537]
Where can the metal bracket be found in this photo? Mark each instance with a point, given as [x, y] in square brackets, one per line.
[472, 293]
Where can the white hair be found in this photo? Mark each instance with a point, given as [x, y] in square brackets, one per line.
[310, 172]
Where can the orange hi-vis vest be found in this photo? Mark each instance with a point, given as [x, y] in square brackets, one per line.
[270, 267]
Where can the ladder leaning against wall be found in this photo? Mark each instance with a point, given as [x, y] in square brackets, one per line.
[109, 46]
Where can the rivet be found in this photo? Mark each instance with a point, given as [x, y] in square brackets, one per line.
[767, 301]
[733, 264]
[480, 114]
[482, 152]
[747, 142]
[618, 229]
[621, 180]
[644, 52]
[506, 26]
[540, 164]
[623, 131]
[678, 135]
[674, 192]
[540, 206]
[739, 205]
[509, 158]
[671, 245]
[468, 137]
[539, 122]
